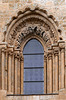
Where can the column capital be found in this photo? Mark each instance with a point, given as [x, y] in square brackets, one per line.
[45, 57]
[56, 51]
[3, 49]
[61, 44]
[10, 53]
[3, 44]
[10, 48]
[49, 56]
[16, 55]
[62, 50]
[21, 58]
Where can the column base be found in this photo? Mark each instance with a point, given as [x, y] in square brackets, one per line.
[9, 93]
[3, 94]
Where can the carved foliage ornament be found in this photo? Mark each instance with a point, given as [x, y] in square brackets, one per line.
[30, 27]
[36, 31]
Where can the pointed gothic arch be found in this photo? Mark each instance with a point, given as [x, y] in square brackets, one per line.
[26, 25]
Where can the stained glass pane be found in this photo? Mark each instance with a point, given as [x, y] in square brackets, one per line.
[33, 67]
[34, 74]
[34, 88]
[33, 60]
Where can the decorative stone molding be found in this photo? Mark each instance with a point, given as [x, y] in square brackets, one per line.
[35, 22]
[50, 55]
[34, 31]
[32, 7]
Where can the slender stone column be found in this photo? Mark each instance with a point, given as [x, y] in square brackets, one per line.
[18, 74]
[16, 65]
[12, 73]
[45, 74]
[17, 71]
[50, 86]
[62, 64]
[3, 68]
[3, 46]
[59, 70]
[62, 68]
[65, 77]
[9, 70]
[22, 72]
[6, 59]
[53, 73]
[56, 70]
[6, 69]
[48, 75]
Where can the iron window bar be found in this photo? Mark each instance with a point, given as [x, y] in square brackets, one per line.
[34, 54]
[33, 81]
[33, 67]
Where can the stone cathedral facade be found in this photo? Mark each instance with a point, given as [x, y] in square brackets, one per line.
[38, 20]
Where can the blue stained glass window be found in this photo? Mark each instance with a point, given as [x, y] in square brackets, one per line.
[33, 74]
[33, 87]
[33, 67]
[35, 60]
[33, 46]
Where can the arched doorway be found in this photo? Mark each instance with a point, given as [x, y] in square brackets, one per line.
[33, 67]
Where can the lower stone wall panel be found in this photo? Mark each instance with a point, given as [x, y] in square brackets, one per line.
[45, 97]
[60, 96]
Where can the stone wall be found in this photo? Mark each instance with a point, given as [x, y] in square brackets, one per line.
[10, 8]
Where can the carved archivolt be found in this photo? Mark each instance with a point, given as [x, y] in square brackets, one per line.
[28, 25]
[34, 22]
